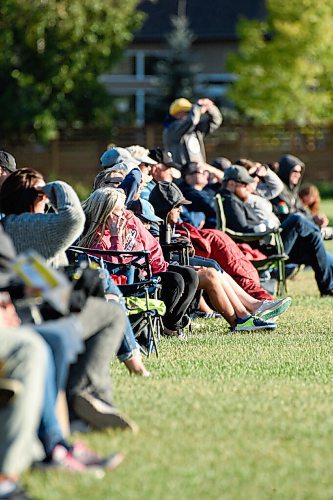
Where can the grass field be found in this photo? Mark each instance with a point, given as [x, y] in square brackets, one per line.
[245, 416]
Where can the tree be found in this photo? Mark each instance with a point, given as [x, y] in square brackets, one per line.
[175, 74]
[285, 64]
[52, 52]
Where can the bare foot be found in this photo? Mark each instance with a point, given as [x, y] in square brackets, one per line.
[136, 366]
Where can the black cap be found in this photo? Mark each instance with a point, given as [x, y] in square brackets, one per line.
[222, 163]
[7, 161]
[165, 196]
[162, 156]
[238, 174]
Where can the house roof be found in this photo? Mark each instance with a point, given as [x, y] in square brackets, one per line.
[209, 19]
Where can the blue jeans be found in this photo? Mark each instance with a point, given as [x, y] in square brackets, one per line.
[200, 261]
[64, 343]
[128, 345]
[304, 244]
[49, 430]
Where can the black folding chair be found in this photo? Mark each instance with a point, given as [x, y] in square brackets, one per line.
[269, 242]
[146, 324]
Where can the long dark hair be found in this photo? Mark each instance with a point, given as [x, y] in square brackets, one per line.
[18, 192]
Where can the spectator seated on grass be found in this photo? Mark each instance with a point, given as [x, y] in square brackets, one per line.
[301, 238]
[61, 346]
[195, 188]
[23, 197]
[164, 170]
[310, 197]
[110, 226]
[210, 243]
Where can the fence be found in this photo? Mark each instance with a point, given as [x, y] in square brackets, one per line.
[78, 159]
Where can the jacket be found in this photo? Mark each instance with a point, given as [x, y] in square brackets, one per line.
[239, 216]
[202, 201]
[289, 194]
[137, 237]
[52, 233]
[185, 138]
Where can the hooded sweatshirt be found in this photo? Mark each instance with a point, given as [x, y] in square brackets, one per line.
[137, 237]
[289, 194]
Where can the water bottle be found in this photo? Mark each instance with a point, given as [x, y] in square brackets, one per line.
[167, 233]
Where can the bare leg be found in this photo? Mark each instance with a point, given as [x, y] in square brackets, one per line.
[250, 303]
[204, 307]
[209, 280]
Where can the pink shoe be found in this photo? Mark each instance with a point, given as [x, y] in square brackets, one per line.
[89, 458]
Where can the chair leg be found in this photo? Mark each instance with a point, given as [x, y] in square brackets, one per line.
[152, 340]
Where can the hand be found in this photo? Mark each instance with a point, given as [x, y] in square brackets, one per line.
[116, 223]
[261, 171]
[321, 220]
[205, 103]
[8, 315]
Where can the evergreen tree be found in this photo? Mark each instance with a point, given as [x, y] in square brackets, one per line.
[285, 64]
[176, 73]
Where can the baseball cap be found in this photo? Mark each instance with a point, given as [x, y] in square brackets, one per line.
[7, 161]
[165, 157]
[147, 212]
[141, 154]
[238, 174]
[117, 155]
[222, 163]
[165, 196]
[179, 105]
[191, 168]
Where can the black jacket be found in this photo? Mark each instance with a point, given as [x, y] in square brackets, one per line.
[289, 194]
[202, 201]
[239, 216]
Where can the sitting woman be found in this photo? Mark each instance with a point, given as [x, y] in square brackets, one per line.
[310, 197]
[109, 226]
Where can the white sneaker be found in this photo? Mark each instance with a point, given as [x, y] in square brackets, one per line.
[270, 308]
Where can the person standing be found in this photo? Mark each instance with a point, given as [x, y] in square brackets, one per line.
[186, 126]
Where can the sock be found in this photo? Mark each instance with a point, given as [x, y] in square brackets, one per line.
[7, 486]
[243, 320]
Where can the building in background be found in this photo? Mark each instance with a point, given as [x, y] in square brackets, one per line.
[214, 25]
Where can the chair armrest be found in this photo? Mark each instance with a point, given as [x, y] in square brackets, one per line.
[251, 236]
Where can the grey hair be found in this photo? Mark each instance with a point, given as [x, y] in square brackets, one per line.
[97, 209]
[102, 176]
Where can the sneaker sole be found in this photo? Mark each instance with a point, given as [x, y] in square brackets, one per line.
[269, 314]
[253, 328]
[87, 412]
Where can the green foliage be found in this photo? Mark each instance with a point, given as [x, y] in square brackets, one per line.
[52, 52]
[246, 416]
[175, 74]
[285, 64]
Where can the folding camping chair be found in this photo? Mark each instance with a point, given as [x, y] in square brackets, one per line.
[269, 242]
[141, 293]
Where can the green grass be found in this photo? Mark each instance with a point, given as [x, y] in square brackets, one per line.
[327, 208]
[246, 416]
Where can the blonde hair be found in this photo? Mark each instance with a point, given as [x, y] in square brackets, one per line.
[97, 209]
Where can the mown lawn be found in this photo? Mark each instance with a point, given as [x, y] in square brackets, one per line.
[246, 416]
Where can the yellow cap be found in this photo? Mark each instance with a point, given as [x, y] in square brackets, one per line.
[180, 104]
